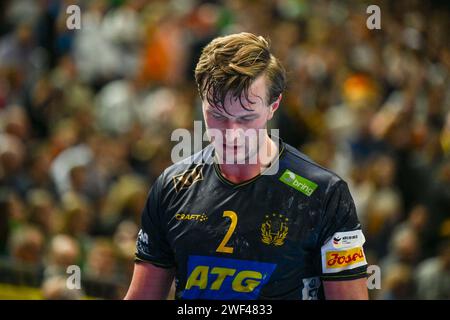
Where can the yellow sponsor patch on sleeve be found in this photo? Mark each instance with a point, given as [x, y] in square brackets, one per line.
[343, 251]
[339, 259]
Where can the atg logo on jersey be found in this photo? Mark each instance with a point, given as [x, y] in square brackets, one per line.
[225, 279]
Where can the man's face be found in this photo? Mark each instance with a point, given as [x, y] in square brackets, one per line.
[241, 131]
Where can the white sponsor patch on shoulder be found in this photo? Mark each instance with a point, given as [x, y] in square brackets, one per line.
[347, 239]
[343, 251]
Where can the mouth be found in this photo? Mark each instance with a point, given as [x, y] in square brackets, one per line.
[229, 147]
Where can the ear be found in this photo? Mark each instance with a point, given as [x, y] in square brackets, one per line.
[274, 106]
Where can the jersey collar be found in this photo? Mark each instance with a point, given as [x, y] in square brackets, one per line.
[243, 183]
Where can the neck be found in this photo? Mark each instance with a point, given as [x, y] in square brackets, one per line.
[238, 173]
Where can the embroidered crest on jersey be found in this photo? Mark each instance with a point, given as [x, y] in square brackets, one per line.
[274, 230]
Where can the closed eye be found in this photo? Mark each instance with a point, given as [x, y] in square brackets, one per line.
[218, 116]
[247, 119]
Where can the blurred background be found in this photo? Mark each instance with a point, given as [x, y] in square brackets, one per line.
[86, 117]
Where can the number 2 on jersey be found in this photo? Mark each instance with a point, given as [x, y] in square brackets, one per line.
[222, 247]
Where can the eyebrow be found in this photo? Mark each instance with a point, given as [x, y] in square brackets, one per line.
[252, 115]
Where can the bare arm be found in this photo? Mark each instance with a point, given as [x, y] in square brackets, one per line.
[149, 282]
[346, 290]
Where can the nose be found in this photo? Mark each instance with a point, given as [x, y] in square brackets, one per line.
[233, 125]
[233, 132]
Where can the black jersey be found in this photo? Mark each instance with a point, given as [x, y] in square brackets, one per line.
[272, 237]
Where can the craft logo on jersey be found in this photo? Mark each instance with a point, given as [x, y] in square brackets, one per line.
[191, 216]
[225, 279]
[186, 179]
[274, 230]
[298, 182]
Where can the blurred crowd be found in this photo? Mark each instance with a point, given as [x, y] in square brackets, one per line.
[86, 117]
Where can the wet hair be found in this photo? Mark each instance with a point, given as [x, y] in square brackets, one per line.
[231, 63]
